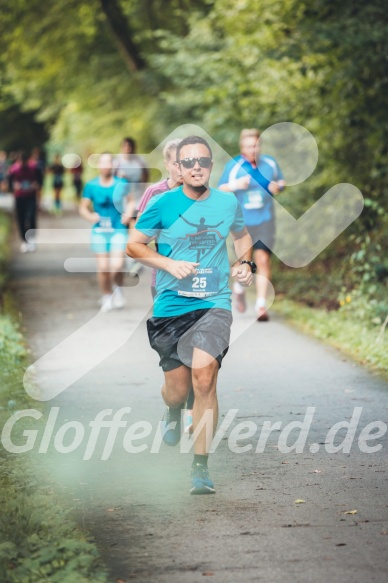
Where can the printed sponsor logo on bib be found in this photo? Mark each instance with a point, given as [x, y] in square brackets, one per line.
[202, 285]
[254, 200]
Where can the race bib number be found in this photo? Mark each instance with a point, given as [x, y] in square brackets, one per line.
[105, 225]
[202, 285]
[254, 200]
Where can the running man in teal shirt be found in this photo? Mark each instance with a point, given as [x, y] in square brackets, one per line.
[190, 327]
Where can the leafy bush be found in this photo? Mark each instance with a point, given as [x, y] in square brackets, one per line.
[39, 541]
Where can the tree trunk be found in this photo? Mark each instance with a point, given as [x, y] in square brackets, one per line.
[123, 34]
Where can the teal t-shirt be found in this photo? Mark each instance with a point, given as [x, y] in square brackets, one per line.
[108, 201]
[192, 230]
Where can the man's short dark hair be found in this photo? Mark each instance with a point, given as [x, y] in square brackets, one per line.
[192, 140]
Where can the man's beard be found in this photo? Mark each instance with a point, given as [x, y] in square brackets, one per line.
[199, 189]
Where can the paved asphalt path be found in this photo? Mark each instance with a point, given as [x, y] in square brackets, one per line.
[137, 505]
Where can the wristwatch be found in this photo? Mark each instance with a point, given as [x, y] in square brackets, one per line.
[251, 264]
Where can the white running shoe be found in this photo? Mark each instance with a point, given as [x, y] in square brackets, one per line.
[107, 303]
[118, 299]
[24, 248]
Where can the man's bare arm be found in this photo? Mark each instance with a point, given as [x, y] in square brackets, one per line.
[244, 182]
[243, 249]
[138, 249]
[238, 184]
[242, 245]
[85, 210]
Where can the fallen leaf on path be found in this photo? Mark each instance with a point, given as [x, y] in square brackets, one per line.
[351, 478]
[299, 501]
[285, 462]
[207, 573]
[384, 532]
[341, 545]
[113, 509]
[350, 511]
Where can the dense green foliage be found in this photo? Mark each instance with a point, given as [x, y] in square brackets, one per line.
[5, 228]
[39, 540]
[93, 73]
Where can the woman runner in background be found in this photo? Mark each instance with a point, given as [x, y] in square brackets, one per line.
[106, 204]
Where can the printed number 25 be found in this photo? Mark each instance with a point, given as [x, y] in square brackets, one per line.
[199, 282]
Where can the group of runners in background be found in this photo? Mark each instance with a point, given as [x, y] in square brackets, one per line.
[24, 175]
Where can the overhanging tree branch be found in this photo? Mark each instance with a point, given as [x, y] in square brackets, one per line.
[123, 34]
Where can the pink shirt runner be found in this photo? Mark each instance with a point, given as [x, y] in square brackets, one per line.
[151, 191]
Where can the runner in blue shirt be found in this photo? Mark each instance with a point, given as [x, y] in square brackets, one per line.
[245, 175]
[190, 327]
[107, 204]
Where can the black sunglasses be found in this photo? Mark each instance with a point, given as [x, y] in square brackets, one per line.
[204, 162]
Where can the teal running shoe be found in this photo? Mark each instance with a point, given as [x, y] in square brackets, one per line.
[171, 435]
[200, 480]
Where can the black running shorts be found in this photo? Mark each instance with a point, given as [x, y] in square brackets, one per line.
[265, 231]
[174, 338]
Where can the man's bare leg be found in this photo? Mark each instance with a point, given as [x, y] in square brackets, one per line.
[176, 386]
[204, 377]
[117, 265]
[263, 262]
[174, 392]
[103, 274]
